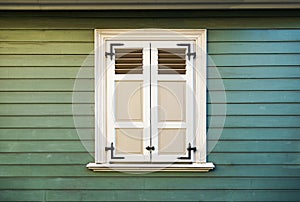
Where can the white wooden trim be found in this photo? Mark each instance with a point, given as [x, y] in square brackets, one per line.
[190, 105]
[172, 77]
[128, 77]
[100, 103]
[200, 94]
[154, 102]
[129, 125]
[150, 34]
[198, 36]
[194, 167]
[146, 101]
[110, 103]
[171, 125]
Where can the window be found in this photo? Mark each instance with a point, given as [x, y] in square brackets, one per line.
[150, 100]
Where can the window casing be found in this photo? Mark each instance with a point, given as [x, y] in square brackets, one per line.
[150, 100]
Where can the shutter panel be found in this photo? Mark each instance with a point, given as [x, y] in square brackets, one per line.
[172, 102]
[128, 102]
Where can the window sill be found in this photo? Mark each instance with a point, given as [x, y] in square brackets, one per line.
[195, 167]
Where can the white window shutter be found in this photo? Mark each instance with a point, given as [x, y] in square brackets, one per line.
[172, 102]
[128, 98]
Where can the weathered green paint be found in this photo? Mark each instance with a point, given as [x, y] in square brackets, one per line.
[46, 60]
[58, 48]
[46, 121]
[47, 97]
[42, 158]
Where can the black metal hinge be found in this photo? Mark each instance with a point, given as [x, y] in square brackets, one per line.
[111, 53]
[189, 149]
[189, 54]
[111, 148]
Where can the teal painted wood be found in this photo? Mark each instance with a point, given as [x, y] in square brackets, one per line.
[47, 109]
[175, 195]
[254, 35]
[137, 183]
[221, 146]
[239, 134]
[254, 133]
[42, 157]
[253, 47]
[72, 158]
[253, 59]
[254, 146]
[255, 72]
[46, 122]
[46, 134]
[46, 158]
[161, 195]
[254, 96]
[49, 97]
[43, 146]
[272, 171]
[254, 121]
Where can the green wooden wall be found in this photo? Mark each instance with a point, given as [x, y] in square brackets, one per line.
[42, 158]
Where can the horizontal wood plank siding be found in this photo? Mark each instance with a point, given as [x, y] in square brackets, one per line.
[47, 110]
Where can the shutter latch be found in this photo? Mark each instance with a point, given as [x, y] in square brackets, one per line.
[189, 149]
[111, 54]
[189, 54]
[111, 148]
[150, 148]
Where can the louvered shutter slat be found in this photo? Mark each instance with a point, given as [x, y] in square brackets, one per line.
[128, 61]
[171, 61]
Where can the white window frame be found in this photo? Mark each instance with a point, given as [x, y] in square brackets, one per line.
[198, 36]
